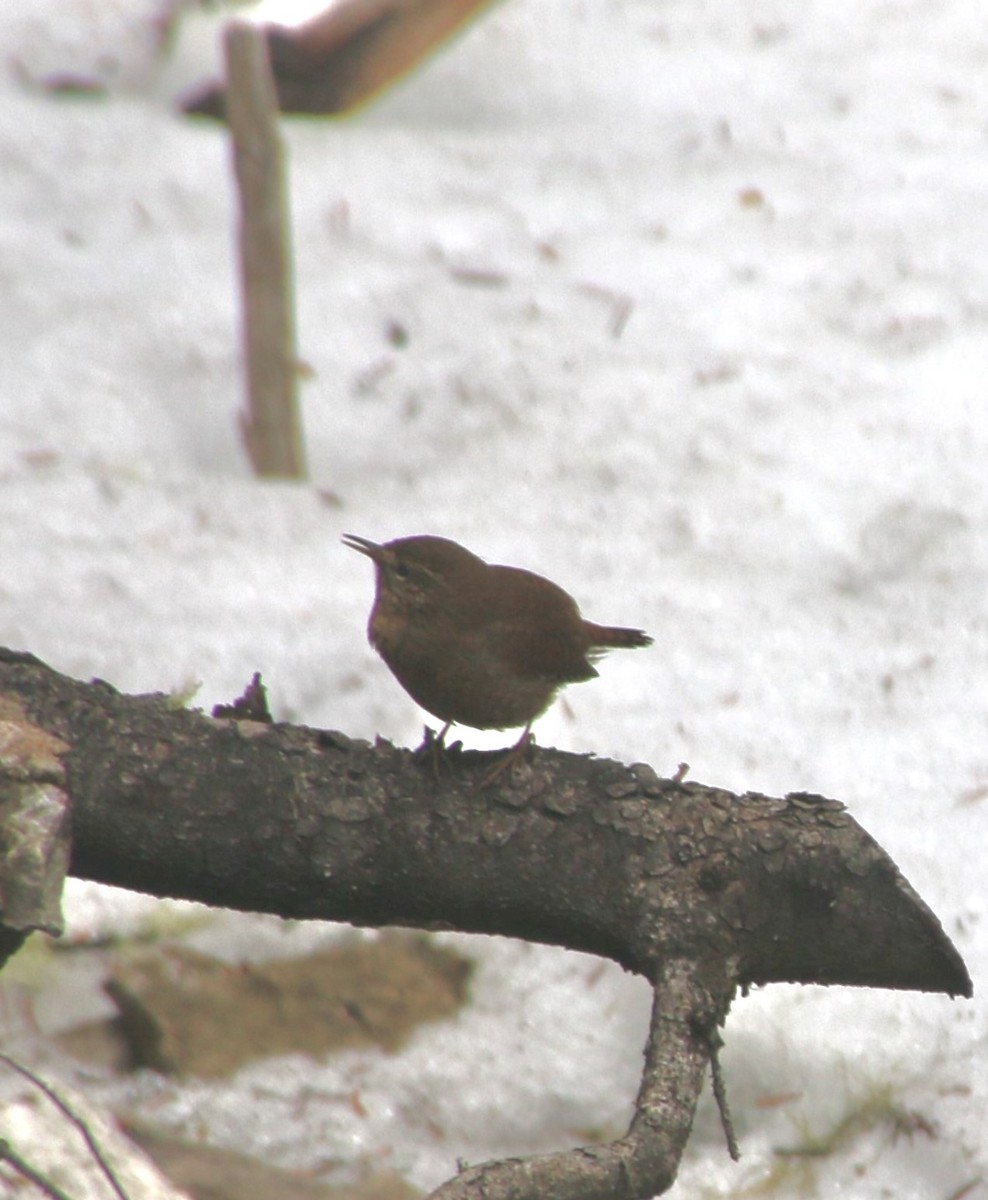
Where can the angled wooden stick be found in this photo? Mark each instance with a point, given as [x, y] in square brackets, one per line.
[345, 55]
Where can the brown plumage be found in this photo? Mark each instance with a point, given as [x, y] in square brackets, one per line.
[475, 643]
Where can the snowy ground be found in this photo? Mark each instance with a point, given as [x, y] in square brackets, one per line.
[726, 381]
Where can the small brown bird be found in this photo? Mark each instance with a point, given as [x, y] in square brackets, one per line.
[474, 643]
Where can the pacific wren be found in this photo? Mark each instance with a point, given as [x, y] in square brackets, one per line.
[474, 643]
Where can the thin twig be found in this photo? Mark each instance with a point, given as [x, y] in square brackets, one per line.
[720, 1095]
[76, 1120]
[9, 1154]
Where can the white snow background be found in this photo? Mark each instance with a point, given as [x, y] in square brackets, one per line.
[726, 380]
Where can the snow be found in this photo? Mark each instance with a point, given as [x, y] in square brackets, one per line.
[725, 380]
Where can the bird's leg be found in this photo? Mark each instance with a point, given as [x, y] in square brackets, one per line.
[509, 758]
[433, 745]
[432, 739]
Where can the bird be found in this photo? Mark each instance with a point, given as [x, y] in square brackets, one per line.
[475, 643]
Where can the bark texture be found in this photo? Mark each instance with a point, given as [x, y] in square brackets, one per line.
[697, 889]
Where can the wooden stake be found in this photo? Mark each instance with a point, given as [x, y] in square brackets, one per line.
[271, 427]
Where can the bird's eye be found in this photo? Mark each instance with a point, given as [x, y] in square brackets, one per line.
[402, 570]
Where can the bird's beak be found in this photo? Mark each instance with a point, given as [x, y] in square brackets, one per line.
[373, 550]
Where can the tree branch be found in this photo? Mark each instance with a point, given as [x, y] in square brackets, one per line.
[699, 890]
[644, 1162]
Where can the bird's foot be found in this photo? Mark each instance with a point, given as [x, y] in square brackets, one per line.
[517, 752]
[434, 749]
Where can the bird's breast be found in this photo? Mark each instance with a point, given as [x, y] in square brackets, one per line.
[386, 629]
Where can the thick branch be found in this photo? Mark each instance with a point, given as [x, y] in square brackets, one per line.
[695, 888]
[571, 850]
